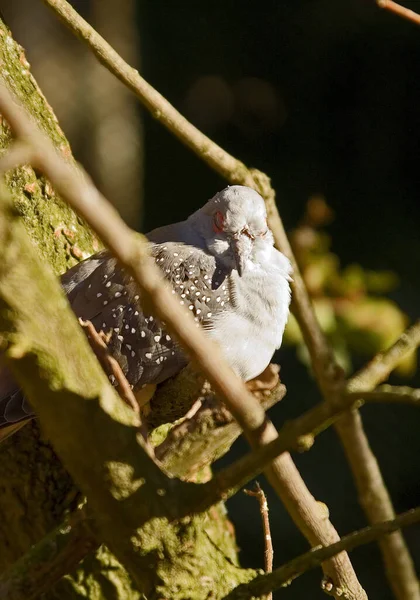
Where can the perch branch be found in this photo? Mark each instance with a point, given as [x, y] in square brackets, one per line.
[373, 494]
[382, 365]
[297, 434]
[259, 494]
[131, 250]
[399, 10]
[329, 376]
[196, 443]
[389, 393]
[284, 575]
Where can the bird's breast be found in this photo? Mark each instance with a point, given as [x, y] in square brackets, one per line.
[251, 329]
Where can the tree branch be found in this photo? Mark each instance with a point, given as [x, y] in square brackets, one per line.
[284, 575]
[259, 494]
[197, 442]
[382, 365]
[298, 434]
[389, 393]
[373, 494]
[399, 10]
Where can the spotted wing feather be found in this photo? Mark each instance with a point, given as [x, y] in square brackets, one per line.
[101, 292]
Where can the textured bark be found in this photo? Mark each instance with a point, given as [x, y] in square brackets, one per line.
[35, 490]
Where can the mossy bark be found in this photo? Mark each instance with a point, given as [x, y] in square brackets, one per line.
[196, 558]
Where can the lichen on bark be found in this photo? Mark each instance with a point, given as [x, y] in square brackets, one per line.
[185, 559]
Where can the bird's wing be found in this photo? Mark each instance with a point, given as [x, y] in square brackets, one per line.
[101, 292]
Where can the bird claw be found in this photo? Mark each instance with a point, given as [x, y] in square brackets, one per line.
[263, 384]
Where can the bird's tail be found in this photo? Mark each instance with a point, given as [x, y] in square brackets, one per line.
[14, 409]
[6, 432]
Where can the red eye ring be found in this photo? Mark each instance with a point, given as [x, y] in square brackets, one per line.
[218, 222]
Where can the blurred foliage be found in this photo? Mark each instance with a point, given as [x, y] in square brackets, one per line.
[350, 302]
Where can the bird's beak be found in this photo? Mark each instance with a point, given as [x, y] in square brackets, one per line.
[241, 251]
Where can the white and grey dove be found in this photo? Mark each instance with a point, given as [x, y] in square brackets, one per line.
[222, 265]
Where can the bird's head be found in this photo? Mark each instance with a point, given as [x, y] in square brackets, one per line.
[234, 226]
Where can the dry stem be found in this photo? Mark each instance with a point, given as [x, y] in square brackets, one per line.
[399, 10]
[373, 494]
[258, 493]
[110, 364]
[284, 575]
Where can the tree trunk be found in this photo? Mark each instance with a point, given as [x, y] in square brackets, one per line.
[198, 558]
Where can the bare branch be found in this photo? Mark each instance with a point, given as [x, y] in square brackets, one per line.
[98, 342]
[210, 429]
[373, 494]
[284, 575]
[399, 10]
[19, 154]
[258, 493]
[155, 103]
[298, 434]
[110, 365]
[132, 251]
[382, 365]
[389, 393]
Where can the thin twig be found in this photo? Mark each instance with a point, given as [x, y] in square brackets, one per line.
[283, 576]
[373, 494]
[98, 342]
[258, 493]
[154, 102]
[399, 10]
[297, 434]
[110, 365]
[132, 251]
[329, 375]
[382, 365]
[398, 394]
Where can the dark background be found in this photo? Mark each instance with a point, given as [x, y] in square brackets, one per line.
[344, 122]
[323, 96]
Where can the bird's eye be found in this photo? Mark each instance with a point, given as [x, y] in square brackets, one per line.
[218, 222]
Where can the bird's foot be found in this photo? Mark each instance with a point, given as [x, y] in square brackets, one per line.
[263, 384]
